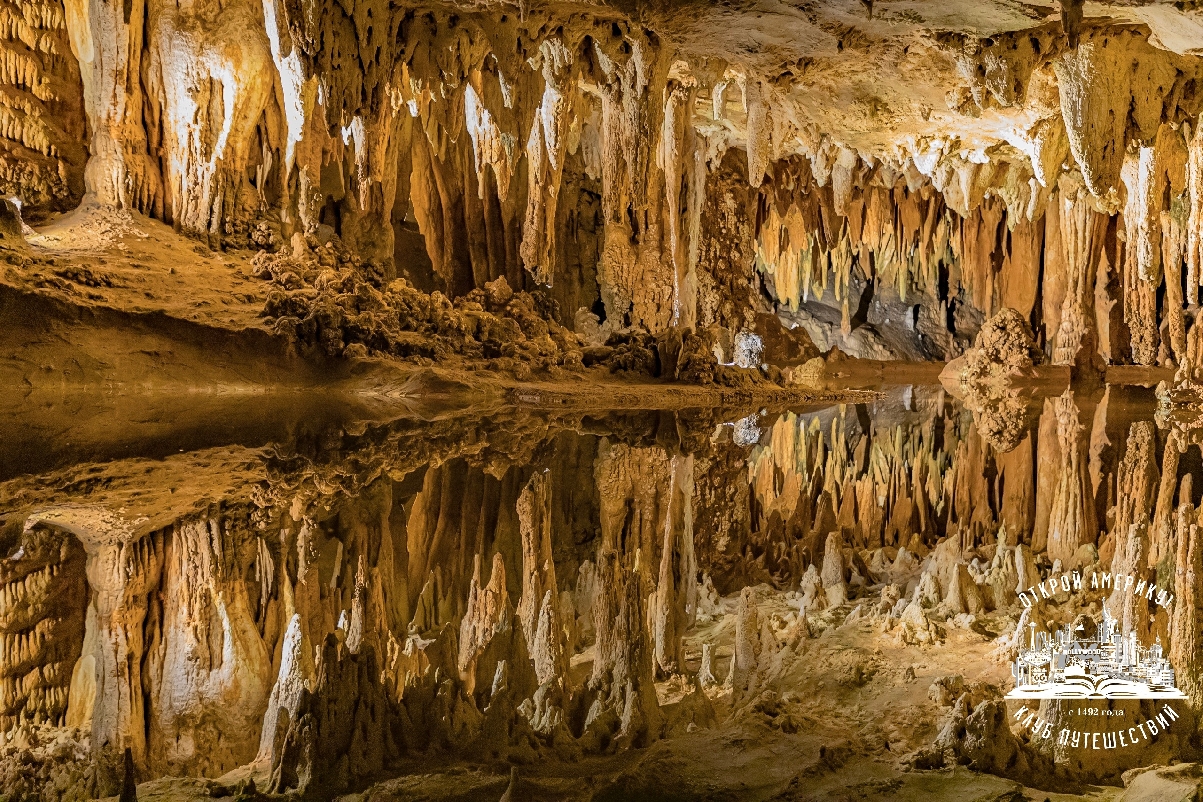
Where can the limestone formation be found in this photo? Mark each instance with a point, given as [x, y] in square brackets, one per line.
[220, 692]
[586, 155]
[43, 620]
[1004, 348]
[403, 390]
[43, 147]
[1071, 516]
[1184, 651]
[834, 585]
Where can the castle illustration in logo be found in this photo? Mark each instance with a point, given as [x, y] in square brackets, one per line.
[1067, 665]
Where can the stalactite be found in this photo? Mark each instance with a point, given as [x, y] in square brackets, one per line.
[1018, 279]
[299, 118]
[222, 100]
[1140, 294]
[760, 129]
[980, 246]
[636, 279]
[1194, 226]
[120, 172]
[1154, 238]
[545, 157]
[1079, 238]
[1145, 183]
[676, 160]
[1071, 518]
[1095, 92]
[42, 148]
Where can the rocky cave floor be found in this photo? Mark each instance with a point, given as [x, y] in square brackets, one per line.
[251, 321]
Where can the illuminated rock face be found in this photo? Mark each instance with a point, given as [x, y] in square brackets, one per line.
[695, 192]
[43, 141]
[888, 181]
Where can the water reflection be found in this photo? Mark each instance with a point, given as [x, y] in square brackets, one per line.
[847, 583]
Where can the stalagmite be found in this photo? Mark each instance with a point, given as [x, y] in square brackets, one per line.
[488, 615]
[631, 515]
[1172, 248]
[545, 156]
[999, 586]
[1018, 503]
[963, 594]
[42, 602]
[706, 676]
[121, 575]
[915, 627]
[295, 677]
[747, 642]
[358, 608]
[927, 591]
[673, 605]
[1027, 573]
[1137, 477]
[1161, 539]
[834, 585]
[1129, 609]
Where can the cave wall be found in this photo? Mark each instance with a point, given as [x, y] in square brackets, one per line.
[43, 139]
[647, 184]
[585, 152]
